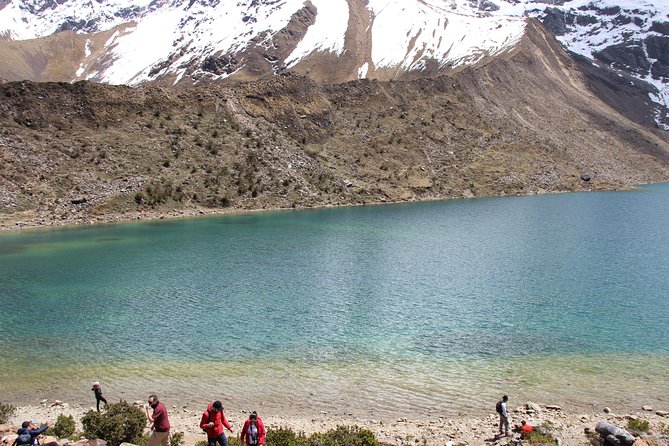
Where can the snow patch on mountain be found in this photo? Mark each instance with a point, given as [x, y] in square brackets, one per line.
[169, 36]
[29, 19]
[631, 36]
[406, 33]
[327, 34]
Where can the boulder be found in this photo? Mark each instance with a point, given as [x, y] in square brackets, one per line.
[628, 56]
[533, 406]
[647, 408]
[614, 435]
[660, 27]
[657, 47]
[662, 413]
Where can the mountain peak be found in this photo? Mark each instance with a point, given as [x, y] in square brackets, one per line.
[190, 42]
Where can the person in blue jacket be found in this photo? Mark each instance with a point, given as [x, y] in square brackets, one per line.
[29, 432]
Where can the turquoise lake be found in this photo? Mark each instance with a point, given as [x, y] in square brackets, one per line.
[434, 307]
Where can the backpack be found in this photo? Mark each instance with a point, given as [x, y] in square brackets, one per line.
[24, 439]
[498, 407]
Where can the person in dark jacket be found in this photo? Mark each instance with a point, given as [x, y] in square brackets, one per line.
[98, 395]
[253, 432]
[212, 422]
[29, 432]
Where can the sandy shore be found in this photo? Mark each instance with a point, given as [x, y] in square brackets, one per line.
[473, 430]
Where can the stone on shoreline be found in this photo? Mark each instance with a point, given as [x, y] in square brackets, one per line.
[647, 408]
[532, 406]
[614, 435]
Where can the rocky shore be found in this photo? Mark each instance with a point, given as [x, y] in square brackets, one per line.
[481, 429]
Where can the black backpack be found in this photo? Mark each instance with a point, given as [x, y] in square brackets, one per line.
[498, 407]
[24, 439]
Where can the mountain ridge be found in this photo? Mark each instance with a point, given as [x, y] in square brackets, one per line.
[87, 152]
[196, 42]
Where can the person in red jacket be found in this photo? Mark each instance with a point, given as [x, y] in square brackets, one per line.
[253, 431]
[212, 422]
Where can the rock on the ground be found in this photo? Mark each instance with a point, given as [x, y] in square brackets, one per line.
[614, 434]
[533, 406]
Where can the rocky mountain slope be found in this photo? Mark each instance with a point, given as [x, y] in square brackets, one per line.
[87, 152]
[186, 42]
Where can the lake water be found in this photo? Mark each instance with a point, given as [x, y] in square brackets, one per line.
[408, 309]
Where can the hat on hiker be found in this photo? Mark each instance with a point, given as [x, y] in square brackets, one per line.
[217, 405]
[96, 383]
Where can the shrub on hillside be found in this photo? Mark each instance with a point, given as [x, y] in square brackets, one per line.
[345, 436]
[341, 436]
[638, 427]
[63, 427]
[6, 412]
[541, 435]
[120, 423]
[285, 437]
[176, 439]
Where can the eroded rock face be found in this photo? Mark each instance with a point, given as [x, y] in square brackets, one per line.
[658, 48]
[660, 27]
[223, 64]
[628, 56]
[628, 39]
[557, 20]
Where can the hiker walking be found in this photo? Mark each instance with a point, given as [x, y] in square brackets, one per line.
[160, 424]
[98, 395]
[503, 415]
[212, 422]
[253, 432]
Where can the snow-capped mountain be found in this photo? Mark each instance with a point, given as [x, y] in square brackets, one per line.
[218, 38]
[629, 36]
[193, 41]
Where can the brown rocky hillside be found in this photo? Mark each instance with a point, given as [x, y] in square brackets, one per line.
[526, 123]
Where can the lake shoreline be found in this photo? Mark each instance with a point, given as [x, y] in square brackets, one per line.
[471, 429]
[28, 221]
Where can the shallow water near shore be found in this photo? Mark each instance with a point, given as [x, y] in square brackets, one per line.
[419, 308]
